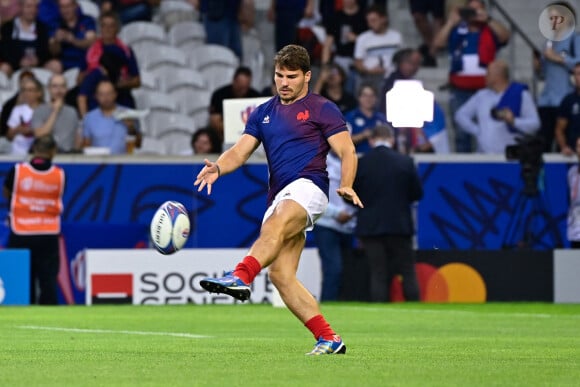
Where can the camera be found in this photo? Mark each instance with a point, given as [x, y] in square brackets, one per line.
[467, 13]
[497, 114]
[528, 152]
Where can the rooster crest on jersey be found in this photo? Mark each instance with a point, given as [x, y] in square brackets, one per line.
[170, 227]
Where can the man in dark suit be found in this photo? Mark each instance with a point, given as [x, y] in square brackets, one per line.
[388, 183]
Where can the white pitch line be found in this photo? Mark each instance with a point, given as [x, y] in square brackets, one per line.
[142, 333]
[465, 312]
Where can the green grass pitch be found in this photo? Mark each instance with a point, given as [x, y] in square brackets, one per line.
[258, 345]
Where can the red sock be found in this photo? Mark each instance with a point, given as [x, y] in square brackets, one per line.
[320, 328]
[248, 269]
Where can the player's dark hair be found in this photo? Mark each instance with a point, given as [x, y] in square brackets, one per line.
[293, 57]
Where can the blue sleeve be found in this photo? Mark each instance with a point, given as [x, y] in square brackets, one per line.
[132, 64]
[89, 23]
[253, 126]
[89, 85]
[564, 108]
[571, 60]
[453, 40]
[332, 121]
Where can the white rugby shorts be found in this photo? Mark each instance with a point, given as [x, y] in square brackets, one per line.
[305, 193]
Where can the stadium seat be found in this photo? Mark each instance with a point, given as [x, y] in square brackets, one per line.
[5, 95]
[174, 79]
[5, 83]
[151, 146]
[194, 103]
[154, 101]
[89, 8]
[172, 12]
[160, 56]
[142, 31]
[159, 122]
[43, 75]
[71, 75]
[176, 142]
[207, 55]
[253, 57]
[148, 80]
[218, 74]
[187, 35]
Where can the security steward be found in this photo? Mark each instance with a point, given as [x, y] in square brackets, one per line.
[35, 189]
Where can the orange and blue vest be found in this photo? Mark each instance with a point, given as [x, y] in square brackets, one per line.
[36, 200]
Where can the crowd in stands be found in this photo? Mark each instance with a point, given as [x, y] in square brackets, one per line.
[62, 60]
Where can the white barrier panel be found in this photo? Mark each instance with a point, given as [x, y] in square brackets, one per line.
[566, 274]
[143, 276]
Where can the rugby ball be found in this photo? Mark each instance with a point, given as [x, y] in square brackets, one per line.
[169, 227]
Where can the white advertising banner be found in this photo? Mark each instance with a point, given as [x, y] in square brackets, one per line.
[236, 113]
[566, 274]
[143, 276]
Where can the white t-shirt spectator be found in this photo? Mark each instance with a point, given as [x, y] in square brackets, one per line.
[378, 49]
[21, 114]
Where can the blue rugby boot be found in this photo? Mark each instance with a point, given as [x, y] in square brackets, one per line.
[228, 284]
[328, 347]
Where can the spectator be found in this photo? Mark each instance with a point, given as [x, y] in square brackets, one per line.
[472, 38]
[9, 10]
[554, 65]
[389, 184]
[331, 85]
[74, 35]
[239, 88]
[286, 14]
[20, 131]
[428, 27]
[102, 127]
[432, 137]
[130, 10]
[406, 63]
[374, 48]
[342, 29]
[573, 227]
[28, 186]
[108, 69]
[333, 233]
[222, 24]
[120, 66]
[364, 118]
[56, 118]
[500, 113]
[568, 118]
[204, 141]
[16, 99]
[23, 40]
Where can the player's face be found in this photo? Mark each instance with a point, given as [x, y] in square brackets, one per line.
[291, 84]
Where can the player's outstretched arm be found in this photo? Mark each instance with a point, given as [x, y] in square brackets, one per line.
[228, 162]
[341, 144]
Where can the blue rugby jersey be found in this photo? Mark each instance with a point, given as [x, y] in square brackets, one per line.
[295, 139]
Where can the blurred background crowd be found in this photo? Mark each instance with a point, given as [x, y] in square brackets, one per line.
[150, 76]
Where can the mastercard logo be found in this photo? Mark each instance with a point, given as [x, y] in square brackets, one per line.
[453, 282]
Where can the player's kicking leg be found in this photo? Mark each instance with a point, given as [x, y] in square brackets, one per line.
[300, 301]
